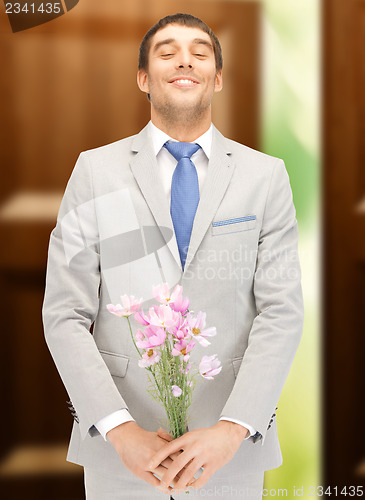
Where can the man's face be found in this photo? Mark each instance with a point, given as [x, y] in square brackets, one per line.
[181, 76]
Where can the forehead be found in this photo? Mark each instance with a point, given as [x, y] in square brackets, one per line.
[180, 34]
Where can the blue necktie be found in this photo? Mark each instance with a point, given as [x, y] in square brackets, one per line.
[184, 193]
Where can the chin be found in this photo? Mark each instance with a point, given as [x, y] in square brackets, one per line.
[182, 108]
[187, 101]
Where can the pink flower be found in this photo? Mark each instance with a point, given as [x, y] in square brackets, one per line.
[130, 306]
[176, 391]
[150, 357]
[197, 326]
[163, 316]
[183, 348]
[163, 295]
[152, 337]
[141, 318]
[139, 335]
[179, 304]
[181, 330]
[209, 366]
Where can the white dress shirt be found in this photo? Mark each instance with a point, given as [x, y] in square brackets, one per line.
[166, 164]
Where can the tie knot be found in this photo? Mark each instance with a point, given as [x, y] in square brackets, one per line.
[181, 149]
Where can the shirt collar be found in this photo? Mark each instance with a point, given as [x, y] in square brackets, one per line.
[159, 138]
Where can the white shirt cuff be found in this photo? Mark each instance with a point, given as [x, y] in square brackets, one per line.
[251, 430]
[116, 418]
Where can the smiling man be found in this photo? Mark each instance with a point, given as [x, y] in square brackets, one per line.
[201, 196]
[181, 93]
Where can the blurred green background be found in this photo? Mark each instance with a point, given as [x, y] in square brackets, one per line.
[290, 120]
[64, 90]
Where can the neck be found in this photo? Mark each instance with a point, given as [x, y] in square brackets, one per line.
[181, 130]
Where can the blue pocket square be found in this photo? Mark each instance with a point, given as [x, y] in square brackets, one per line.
[225, 222]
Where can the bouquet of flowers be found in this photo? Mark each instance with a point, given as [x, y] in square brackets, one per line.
[164, 343]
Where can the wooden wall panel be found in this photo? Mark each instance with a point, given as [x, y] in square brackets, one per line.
[71, 83]
[344, 240]
[67, 86]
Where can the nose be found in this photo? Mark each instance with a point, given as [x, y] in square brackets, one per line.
[185, 59]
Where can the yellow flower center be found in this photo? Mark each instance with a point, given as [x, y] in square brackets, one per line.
[196, 331]
[183, 351]
[150, 352]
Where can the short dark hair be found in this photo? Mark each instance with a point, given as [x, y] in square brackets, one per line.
[184, 20]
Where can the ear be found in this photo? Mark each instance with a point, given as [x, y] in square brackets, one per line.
[142, 81]
[218, 81]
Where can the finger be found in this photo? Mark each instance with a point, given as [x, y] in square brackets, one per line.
[202, 479]
[166, 463]
[174, 456]
[160, 471]
[166, 491]
[152, 480]
[164, 434]
[176, 467]
[172, 447]
[187, 476]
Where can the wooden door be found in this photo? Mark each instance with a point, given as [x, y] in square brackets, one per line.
[69, 85]
[344, 241]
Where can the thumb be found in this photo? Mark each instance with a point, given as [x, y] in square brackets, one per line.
[164, 434]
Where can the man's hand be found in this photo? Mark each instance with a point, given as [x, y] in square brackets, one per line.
[210, 448]
[136, 447]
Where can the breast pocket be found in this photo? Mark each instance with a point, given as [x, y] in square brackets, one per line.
[234, 225]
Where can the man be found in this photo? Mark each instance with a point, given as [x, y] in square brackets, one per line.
[212, 215]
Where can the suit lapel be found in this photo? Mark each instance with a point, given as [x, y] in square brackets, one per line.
[145, 171]
[219, 174]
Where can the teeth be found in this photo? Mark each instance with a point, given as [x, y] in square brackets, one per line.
[184, 81]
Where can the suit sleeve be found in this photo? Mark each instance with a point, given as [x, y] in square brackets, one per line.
[277, 328]
[71, 303]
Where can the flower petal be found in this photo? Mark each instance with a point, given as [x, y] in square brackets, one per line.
[176, 391]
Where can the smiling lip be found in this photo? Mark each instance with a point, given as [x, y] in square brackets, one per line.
[184, 82]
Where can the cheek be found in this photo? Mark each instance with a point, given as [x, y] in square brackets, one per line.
[211, 77]
[155, 80]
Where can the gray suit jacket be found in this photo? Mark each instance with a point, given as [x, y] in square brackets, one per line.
[114, 236]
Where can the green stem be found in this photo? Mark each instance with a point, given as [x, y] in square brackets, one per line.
[177, 423]
[171, 398]
[157, 384]
[134, 342]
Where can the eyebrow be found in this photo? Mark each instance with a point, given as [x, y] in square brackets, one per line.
[170, 41]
